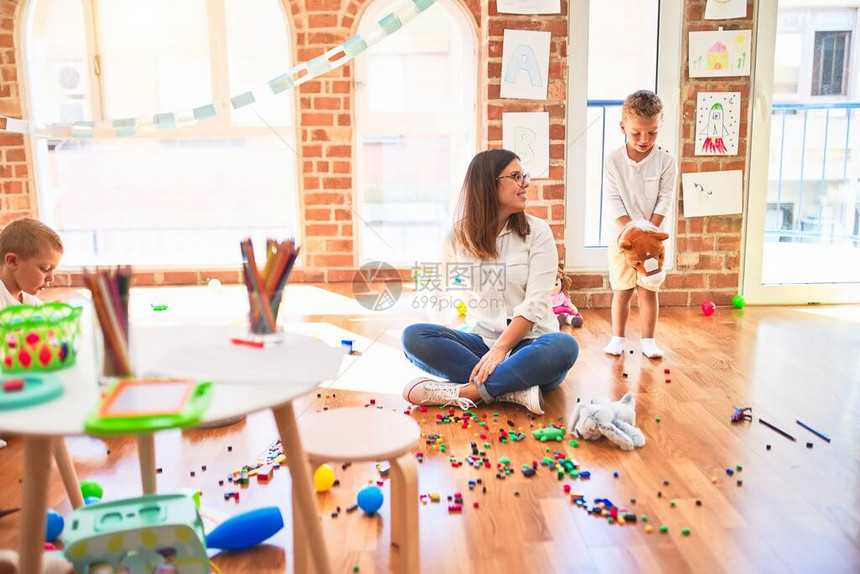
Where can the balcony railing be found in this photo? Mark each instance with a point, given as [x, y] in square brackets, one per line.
[813, 179]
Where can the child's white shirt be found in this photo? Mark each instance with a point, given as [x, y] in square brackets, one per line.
[6, 299]
[640, 189]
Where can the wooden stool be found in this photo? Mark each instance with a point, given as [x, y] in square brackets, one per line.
[369, 434]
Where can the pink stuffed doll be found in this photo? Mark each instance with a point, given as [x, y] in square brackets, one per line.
[565, 311]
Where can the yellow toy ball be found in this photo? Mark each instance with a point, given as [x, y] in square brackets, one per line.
[323, 478]
[461, 308]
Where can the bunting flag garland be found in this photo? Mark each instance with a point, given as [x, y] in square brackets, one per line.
[298, 75]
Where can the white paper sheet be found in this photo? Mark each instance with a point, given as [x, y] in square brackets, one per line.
[527, 135]
[525, 64]
[718, 123]
[719, 54]
[712, 193]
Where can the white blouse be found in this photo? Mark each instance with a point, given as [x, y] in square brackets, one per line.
[518, 283]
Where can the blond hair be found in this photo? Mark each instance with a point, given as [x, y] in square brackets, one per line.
[642, 103]
[27, 237]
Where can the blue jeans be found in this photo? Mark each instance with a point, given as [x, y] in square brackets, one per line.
[452, 355]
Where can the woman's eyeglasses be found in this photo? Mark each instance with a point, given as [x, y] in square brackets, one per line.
[522, 179]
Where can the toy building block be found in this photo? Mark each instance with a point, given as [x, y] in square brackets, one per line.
[549, 433]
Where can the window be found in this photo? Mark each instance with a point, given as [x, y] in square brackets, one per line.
[813, 52]
[830, 68]
[416, 122]
[646, 59]
[177, 197]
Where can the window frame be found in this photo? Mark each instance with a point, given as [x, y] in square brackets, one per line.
[578, 257]
[219, 127]
[807, 31]
[817, 72]
[385, 124]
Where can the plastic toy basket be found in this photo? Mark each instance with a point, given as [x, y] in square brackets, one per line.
[39, 338]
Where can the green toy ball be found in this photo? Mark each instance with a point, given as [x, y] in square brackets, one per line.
[738, 301]
[323, 478]
[91, 489]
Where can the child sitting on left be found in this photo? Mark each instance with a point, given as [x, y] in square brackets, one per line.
[29, 253]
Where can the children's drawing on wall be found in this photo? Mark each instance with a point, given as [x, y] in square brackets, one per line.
[525, 64]
[529, 6]
[712, 193]
[719, 54]
[527, 135]
[717, 123]
[725, 9]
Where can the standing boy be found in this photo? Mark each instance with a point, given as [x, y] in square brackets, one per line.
[640, 181]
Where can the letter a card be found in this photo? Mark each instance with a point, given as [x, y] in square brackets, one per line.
[525, 64]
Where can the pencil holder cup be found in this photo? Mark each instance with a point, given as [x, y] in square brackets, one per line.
[257, 322]
[39, 338]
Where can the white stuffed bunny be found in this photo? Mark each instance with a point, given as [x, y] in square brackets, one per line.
[613, 420]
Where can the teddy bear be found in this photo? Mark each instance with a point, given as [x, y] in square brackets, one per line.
[565, 311]
[615, 421]
[642, 244]
[52, 563]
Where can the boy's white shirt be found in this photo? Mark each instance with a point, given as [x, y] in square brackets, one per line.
[640, 189]
[6, 299]
[530, 266]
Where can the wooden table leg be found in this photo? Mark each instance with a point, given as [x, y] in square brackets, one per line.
[301, 559]
[67, 473]
[404, 512]
[37, 465]
[303, 491]
[146, 454]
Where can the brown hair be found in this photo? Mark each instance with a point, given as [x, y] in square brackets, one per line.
[566, 282]
[477, 222]
[27, 237]
[643, 103]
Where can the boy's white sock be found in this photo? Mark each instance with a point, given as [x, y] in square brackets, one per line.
[650, 349]
[615, 346]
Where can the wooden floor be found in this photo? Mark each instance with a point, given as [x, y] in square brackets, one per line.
[798, 509]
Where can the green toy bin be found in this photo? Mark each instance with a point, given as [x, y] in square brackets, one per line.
[39, 337]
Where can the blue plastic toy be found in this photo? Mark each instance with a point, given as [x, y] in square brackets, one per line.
[91, 500]
[54, 525]
[370, 499]
[246, 529]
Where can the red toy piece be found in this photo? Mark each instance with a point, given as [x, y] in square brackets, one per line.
[13, 385]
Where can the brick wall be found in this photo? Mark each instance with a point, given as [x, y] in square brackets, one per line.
[546, 196]
[15, 200]
[708, 248]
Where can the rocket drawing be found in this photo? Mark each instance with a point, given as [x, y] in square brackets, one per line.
[715, 131]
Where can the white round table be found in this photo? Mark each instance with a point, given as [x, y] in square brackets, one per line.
[245, 380]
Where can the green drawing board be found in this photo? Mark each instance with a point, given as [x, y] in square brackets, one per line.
[147, 405]
[37, 390]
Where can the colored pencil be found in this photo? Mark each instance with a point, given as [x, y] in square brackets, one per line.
[777, 429]
[110, 299]
[265, 288]
[812, 430]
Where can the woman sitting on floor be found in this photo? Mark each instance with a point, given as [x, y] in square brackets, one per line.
[502, 263]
